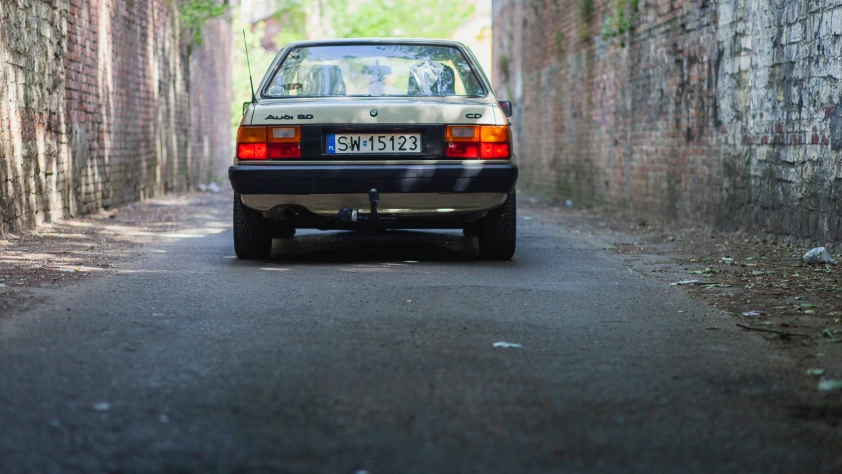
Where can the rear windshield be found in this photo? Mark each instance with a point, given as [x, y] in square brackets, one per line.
[375, 71]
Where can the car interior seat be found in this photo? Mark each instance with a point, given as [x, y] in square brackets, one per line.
[324, 80]
[429, 78]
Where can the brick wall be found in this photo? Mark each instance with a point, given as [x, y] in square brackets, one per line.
[725, 112]
[103, 102]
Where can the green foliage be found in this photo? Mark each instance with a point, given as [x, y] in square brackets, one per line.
[292, 14]
[618, 23]
[193, 14]
[586, 10]
[397, 18]
[503, 62]
[559, 42]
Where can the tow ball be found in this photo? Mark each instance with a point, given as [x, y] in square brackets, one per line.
[347, 214]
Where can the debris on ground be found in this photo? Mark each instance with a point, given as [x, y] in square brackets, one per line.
[71, 251]
[506, 344]
[801, 304]
[818, 255]
[211, 187]
[101, 406]
[829, 385]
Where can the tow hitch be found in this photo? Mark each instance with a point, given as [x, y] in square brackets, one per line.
[373, 197]
[349, 215]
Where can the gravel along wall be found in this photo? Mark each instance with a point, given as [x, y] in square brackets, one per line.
[727, 112]
[103, 102]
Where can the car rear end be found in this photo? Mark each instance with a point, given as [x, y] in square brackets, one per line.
[319, 151]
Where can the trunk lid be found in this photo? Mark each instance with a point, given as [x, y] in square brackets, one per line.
[357, 111]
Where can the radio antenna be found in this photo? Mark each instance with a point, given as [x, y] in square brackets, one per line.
[253, 97]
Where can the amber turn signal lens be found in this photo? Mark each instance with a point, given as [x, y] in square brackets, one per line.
[496, 134]
[251, 135]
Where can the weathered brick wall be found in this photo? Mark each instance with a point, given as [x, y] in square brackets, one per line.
[723, 112]
[103, 102]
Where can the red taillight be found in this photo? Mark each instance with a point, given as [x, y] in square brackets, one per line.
[261, 143]
[462, 150]
[500, 150]
[493, 142]
[252, 151]
[284, 150]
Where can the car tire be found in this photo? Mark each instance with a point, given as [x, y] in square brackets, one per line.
[497, 231]
[252, 233]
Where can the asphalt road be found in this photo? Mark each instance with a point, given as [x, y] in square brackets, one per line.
[349, 352]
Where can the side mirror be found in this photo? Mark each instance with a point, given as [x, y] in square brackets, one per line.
[506, 106]
[246, 106]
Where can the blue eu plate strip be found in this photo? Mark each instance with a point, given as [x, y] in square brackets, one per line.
[331, 144]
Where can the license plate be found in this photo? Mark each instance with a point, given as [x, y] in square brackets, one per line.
[373, 143]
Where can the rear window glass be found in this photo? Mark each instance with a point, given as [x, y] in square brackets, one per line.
[375, 71]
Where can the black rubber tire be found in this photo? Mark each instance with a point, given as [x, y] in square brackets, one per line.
[497, 231]
[252, 232]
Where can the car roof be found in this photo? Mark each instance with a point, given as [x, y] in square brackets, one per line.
[346, 41]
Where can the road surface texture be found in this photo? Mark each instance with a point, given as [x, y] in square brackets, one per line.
[349, 352]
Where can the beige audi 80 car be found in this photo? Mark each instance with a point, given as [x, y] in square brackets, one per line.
[374, 135]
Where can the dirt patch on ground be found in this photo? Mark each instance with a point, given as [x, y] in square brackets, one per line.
[762, 283]
[37, 263]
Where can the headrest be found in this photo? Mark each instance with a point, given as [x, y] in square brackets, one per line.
[429, 78]
[324, 80]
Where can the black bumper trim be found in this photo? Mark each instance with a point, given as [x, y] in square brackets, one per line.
[352, 179]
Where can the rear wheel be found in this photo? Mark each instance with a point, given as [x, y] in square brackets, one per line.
[252, 232]
[497, 231]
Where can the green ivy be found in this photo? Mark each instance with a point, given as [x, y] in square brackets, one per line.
[586, 9]
[503, 62]
[618, 23]
[194, 14]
